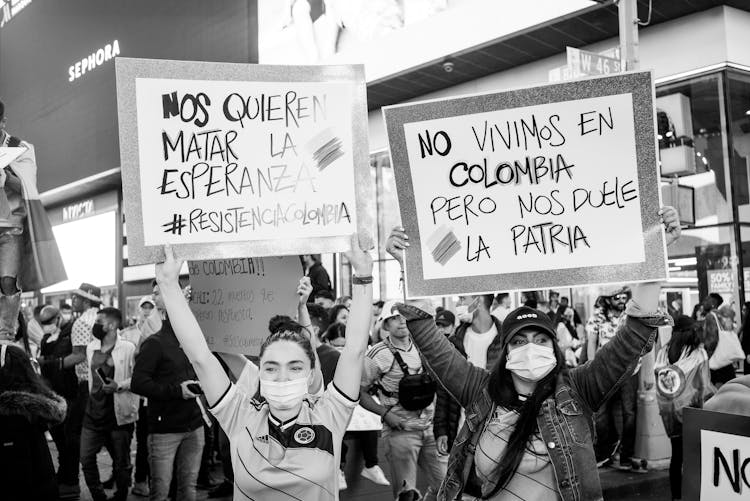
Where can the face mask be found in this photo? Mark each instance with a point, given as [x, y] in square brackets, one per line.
[284, 395]
[532, 361]
[98, 331]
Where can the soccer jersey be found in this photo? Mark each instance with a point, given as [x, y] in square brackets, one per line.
[295, 460]
[82, 336]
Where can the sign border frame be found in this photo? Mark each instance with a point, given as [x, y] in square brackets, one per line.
[129, 69]
[640, 84]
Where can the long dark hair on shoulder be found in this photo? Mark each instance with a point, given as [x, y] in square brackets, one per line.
[503, 394]
[17, 374]
[686, 334]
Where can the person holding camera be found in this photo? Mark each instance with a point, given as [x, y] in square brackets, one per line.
[395, 373]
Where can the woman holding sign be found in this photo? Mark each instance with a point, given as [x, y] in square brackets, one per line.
[529, 428]
[288, 446]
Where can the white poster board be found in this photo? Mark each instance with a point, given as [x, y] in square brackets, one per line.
[229, 160]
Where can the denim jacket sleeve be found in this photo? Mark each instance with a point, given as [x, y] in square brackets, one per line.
[598, 379]
[462, 380]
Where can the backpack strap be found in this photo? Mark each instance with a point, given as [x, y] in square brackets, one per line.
[397, 356]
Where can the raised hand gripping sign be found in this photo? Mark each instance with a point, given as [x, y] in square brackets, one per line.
[235, 160]
[542, 187]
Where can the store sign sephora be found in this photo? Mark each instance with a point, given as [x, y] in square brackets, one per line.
[10, 8]
[93, 60]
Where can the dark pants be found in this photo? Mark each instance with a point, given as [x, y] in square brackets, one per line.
[723, 375]
[616, 420]
[117, 442]
[141, 450]
[67, 470]
[675, 467]
[225, 452]
[368, 441]
[203, 473]
[72, 433]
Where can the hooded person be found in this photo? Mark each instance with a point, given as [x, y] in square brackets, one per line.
[27, 409]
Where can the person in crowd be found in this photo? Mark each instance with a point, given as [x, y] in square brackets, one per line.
[745, 336]
[335, 336]
[530, 300]
[615, 421]
[345, 300]
[163, 374]
[318, 318]
[723, 317]
[529, 433]
[564, 301]
[501, 306]
[682, 380]
[698, 313]
[86, 303]
[34, 331]
[318, 275]
[66, 317]
[55, 346]
[111, 409]
[446, 322]
[28, 407]
[553, 304]
[568, 336]
[407, 422]
[285, 447]
[338, 314]
[324, 298]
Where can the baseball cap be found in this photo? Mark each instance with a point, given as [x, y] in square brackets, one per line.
[524, 317]
[388, 311]
[48, 314]
[144, 300]
[445, 318]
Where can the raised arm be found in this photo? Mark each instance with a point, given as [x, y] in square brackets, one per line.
[597, 380]
[460, 378]
[304, 289]
[214, 381]
[349, 369]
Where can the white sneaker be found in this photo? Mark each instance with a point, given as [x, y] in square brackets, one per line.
[342, 481]
[375, 475]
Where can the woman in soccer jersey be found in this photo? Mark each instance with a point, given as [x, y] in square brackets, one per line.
[287, 446]
[528, 429]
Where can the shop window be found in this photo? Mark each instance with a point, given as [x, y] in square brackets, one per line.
[738, 124]
[692, 150]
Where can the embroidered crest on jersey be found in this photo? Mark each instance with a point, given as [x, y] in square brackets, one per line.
[304, 435]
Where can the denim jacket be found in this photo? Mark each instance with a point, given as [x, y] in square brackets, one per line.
[565, 420]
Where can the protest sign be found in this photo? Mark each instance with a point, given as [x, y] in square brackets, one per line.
[550, 186]
[233, 299]
[716, 456]
[234, 160]
[364, 420]
[9, 153]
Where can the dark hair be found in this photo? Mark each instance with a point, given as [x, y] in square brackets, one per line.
[487, 299]
[324, 293]
[686, 334]
[318, 316]
[503, 393]
[292, 336]
[276, 321]
[379, 304]
[65, 306]
[531, 303]
[334, 312]
[334, 331]
[17, 374]
[2, 110]
[38, 309]
[112, 314]
[499, 298]
[717, 299]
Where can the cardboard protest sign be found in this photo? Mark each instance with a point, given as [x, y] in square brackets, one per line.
[364, 420]
[233, 299]
[716, 456]
[234, 160]
[533, 188]
[9, 153]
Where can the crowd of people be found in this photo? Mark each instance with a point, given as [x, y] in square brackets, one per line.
[487, 400]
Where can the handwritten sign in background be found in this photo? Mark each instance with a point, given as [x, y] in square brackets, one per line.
[261, 160]
[717, 454]
[233, 299]
[549, 186]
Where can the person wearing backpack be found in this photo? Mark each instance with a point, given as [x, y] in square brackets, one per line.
[682, 380]
[394, 372]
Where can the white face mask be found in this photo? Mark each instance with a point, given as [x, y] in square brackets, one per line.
[284, 395]
[532, 361]
[465, 313]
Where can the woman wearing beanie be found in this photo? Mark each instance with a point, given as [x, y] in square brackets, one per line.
[528, 429]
